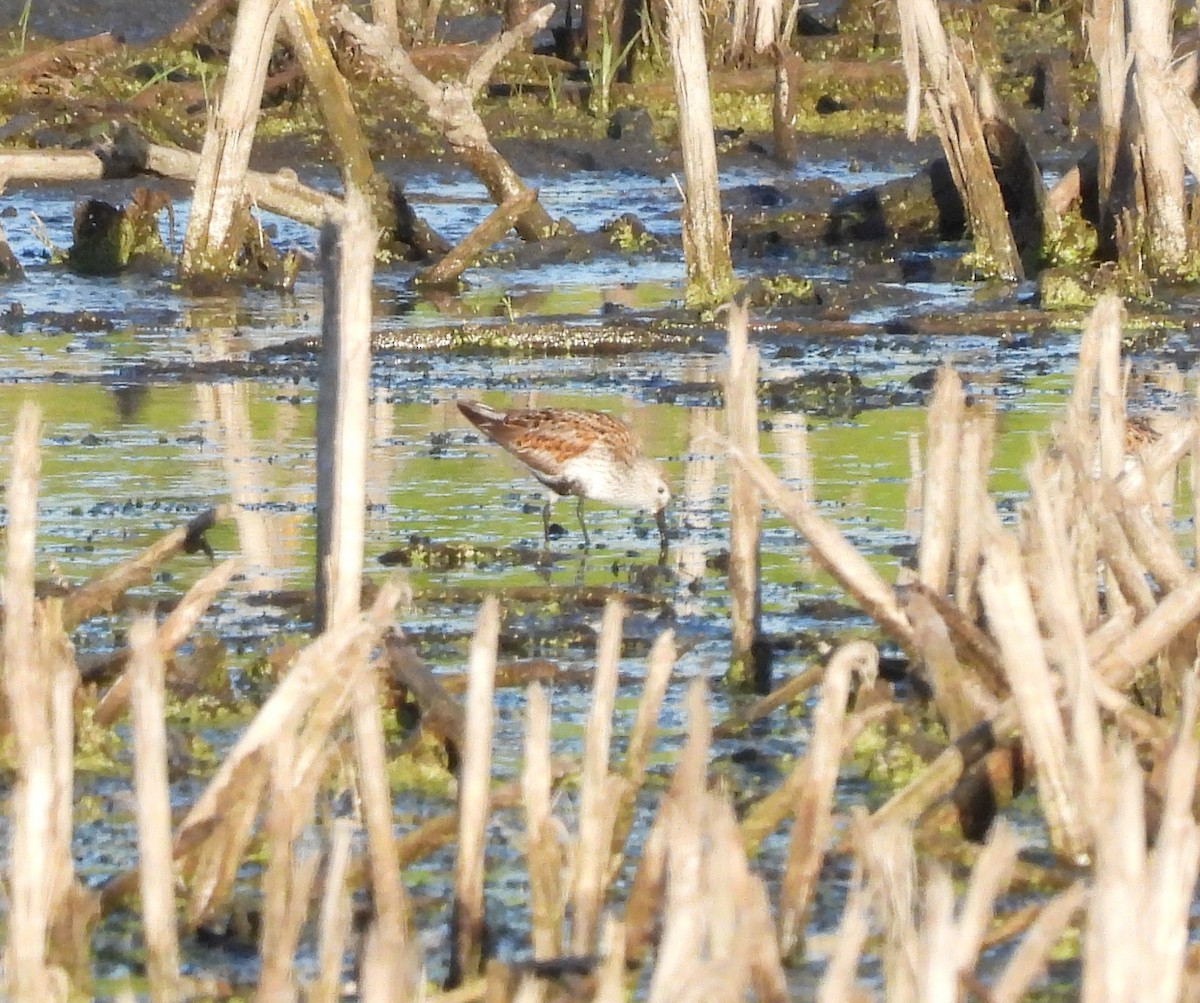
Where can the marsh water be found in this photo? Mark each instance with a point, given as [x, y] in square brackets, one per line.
[138, 439]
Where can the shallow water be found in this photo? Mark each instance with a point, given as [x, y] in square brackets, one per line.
[127, 457]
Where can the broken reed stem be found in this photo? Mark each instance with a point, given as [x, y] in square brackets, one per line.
[1111, 389]
[473, 803]
[175, 629]
[597, 805]
[659, 665]
[781, 696]
[336, 916]
[31, 878]
[833, 552]
[374, 791]
[974, 463]
[101, 592]
[542, 852]
[940, 493]
[156, 868]
[746, 669]
[217, 826]
[210, 243]
[290, 873]
[682, 811]
[1007, 601]
[1029, 959]
[347, 266]
[814, 805]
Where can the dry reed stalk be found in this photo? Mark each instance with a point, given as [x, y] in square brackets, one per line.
[940, 493]
[813, 806]
[1194, 483]
[685, 910]
[336, 916]
[599, 791]
[913, 495]
[781, 696]
[288, 881]
[467, 924]
[1007, 601]
[1110, 389]
[1061, 613]
[890, 862]
[101, 591]
[833, 552]
[155, 864]
[1029, 959]
[746, 669]
[645, 892]
[212, 236]
[218, 825]
[610, 978]
[838, 983]
[175, 629]
[542, 850]
[974, 462]
[347, 268]
[1116, 655]
[386, 885]
[36, 882]
[951, 683]
[659, 665]
[447, 272]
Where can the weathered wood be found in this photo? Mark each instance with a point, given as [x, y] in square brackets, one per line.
[451, 107]
[32, 63]
[956, 116]
[1161, 162]
[348, 265]
[710, 278]
[448, 271]
[214, 234]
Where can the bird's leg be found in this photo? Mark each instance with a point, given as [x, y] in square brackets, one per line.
[660, 518]
[587, 543]
[546, 524]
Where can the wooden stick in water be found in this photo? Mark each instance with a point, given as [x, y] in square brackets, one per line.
[473, 807]
[156, 866]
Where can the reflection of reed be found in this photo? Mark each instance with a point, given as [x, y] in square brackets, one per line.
[267, 539]
[789, 430]
[696, 499]
[381, 470]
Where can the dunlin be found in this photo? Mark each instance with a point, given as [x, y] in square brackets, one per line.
[583, 453]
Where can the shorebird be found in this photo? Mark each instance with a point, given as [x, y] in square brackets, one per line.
[584, 453]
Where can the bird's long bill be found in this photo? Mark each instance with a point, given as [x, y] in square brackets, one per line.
[660, 517]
